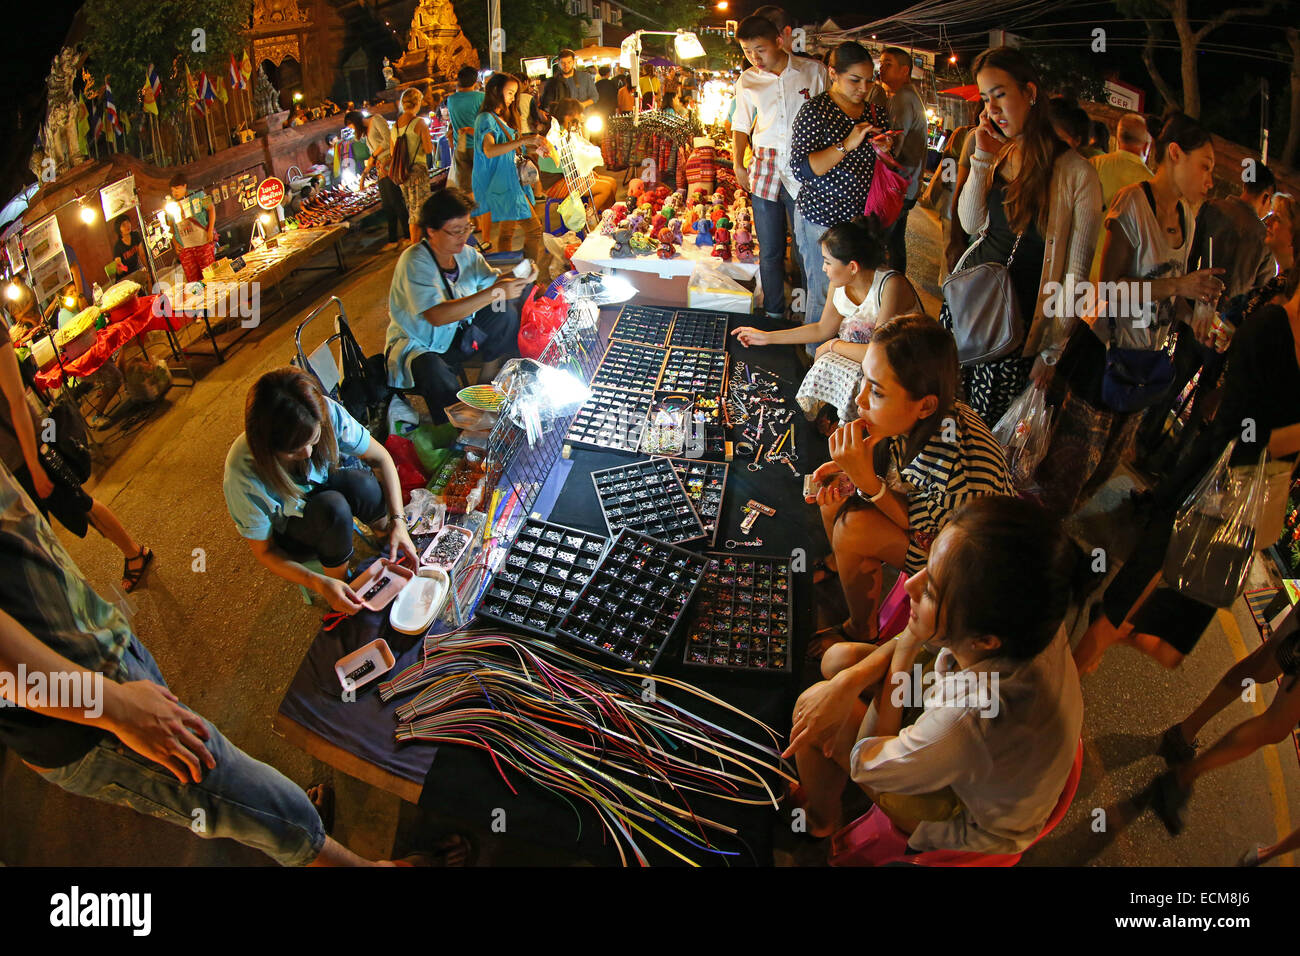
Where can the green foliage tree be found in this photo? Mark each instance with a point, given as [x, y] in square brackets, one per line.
[124, 36]
[532, 28]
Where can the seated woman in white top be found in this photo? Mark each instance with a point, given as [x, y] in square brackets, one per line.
[291, 500]
[864, 292]
[984, 764]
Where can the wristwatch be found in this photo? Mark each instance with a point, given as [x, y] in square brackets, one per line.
[878, 495]
[840, 147]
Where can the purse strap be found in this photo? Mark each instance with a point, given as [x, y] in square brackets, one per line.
[1014, 246]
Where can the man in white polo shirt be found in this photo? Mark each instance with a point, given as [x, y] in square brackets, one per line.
[768, 96]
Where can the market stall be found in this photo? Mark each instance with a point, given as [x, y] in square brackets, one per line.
[573, 505]
[234, 288]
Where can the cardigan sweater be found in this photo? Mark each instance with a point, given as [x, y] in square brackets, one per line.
[1073, 223]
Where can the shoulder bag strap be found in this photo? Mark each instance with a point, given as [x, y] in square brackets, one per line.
[1014, 246]
[880, 289]
[961, 263]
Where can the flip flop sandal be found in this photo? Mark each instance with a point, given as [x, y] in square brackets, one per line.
[440, 853]
[323, 801]
[131, 576]
[825, 570]
[823, 640]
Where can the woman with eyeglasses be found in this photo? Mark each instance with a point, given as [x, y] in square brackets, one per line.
[447, 305]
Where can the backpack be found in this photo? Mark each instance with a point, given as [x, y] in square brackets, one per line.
[400, 168]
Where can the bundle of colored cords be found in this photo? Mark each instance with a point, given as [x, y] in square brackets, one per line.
[584, 731]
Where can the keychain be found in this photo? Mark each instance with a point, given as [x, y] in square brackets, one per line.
[732, 544]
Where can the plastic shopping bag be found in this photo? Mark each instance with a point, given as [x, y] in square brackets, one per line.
[1024, 432]
[539, 318]
[1213, 540]
[710, 288]
[573, 212]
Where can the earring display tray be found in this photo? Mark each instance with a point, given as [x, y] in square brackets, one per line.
[636, 599]
[706, 484]
[542, 575]
[693, 329]
[694, 370]
[647, 496]
[611, 419]
[643, 324]
[634, 368]
[744, 617]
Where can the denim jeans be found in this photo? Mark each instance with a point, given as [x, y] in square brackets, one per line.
[240, 798]
[808, 235]
[770, 225]
[898, 239]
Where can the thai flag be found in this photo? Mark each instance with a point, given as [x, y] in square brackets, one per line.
[206, 92]
[110, 110]
[236, 79]
[151, 75]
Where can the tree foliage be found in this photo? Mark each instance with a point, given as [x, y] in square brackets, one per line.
[124, 36]
[532, 28]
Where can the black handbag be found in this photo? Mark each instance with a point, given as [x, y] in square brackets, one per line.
[363, 389]
[1134, 379]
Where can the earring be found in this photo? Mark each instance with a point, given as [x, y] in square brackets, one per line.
[1033, 101]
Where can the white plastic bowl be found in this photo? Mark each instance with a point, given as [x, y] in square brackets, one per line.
[420, 601]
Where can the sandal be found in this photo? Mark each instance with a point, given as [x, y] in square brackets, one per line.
[823, 568]
[827, 637]
[132, 574]
[455, 850]
[322, 798]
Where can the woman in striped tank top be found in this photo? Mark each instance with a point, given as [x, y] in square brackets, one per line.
[913, 457]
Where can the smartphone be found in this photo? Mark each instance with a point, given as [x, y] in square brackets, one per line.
[811, 486]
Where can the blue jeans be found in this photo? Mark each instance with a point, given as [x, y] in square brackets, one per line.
[770, 225]
[240, 798]
[808, 235]
[898, 239]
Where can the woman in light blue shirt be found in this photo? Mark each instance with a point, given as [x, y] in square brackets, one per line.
[445, 305]
[290, 498]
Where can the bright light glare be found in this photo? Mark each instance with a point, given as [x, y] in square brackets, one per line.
[87, 214]
[297, 97]
[688, 46]
[265, 218]
[13, 291]
[594, 123]
[173, 210]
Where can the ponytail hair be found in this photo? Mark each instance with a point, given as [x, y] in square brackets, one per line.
[1181, 129]
[861, 240]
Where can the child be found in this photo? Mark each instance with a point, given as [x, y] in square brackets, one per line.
[863, 294]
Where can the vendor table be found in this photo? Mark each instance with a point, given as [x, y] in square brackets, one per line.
[356, 737]
[222, 297]
[659, 281]
[108, 340]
